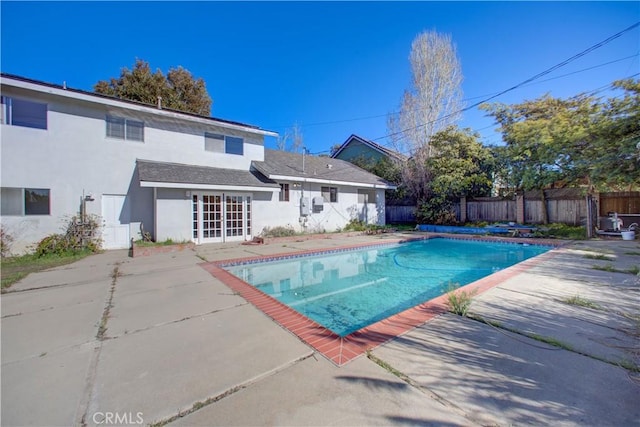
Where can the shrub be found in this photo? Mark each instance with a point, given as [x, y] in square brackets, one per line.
[355, 225]
[278, 231]
[80, 234]
[459, 301]
[6, 240]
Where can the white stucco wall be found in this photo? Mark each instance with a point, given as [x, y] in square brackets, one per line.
[333, 216]
[74, 155]
[174, 208]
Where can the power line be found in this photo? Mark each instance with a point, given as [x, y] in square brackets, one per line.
[376, 116]
[529, 80]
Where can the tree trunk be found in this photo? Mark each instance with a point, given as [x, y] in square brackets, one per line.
[545, 212]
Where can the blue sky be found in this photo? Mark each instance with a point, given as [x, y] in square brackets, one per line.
[334, 68]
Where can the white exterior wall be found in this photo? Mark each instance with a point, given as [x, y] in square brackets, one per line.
[334, 216]
[73, 155]
[173, 213]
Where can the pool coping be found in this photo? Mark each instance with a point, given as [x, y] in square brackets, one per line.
[341, 350]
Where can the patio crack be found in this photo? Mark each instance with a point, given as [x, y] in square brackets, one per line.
[216, 398]
[424, 390]
[83, 406]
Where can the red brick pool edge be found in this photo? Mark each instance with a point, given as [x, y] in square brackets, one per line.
[341, 350]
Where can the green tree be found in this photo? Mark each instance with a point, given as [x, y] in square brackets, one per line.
[179, 90]
[616, 158]
[461, 167]
[575, 141]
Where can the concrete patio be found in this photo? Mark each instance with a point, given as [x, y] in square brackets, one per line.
[159, 340]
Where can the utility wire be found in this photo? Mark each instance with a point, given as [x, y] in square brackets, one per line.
[376, 116]
[529, 80]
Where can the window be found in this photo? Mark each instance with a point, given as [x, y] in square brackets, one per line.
[223, 144]
[234, 145]
[25, 201]
[19, 112]
[366, 196]
[214, 142]
[284, 192]
[330, 194]
[120, 128]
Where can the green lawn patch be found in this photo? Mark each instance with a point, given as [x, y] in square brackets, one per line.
[17, 268]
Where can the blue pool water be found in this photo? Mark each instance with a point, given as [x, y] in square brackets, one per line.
[348, 290]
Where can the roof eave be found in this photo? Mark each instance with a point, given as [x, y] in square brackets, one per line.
[114, 102]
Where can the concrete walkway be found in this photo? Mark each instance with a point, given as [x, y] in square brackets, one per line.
[157, 339]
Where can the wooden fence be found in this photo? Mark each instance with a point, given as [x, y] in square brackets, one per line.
[566, 205]
[622, 203]
[489, 209]
[395, 214]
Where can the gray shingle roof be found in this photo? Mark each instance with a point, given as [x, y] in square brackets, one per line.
[188, 174]
[283, 163]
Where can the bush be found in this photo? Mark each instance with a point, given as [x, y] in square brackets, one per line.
[355, 225]
[278, 231]
[6, 240]
[80, 235]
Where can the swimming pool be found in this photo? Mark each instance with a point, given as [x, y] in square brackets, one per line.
[349, 290]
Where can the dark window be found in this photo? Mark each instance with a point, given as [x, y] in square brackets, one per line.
[284, 192]
[330, 194]
[19, 112]
[25, 201]
[234, 145]
[36, 201]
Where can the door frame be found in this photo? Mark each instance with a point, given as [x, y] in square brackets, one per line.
[197, 217]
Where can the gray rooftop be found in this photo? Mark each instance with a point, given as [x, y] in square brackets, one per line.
[151, 171]
[283, 163]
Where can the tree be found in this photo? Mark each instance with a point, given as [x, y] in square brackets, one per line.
[431, 103]
[389, 170]
[575, 141]
[617, 161]
[179, 90]
[292, 140]
[461, 167]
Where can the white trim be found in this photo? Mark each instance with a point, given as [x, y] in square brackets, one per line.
[207, 187]
[120, 104]
[329, 181]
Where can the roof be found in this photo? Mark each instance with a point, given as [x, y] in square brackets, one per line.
[98, 97]
[377, 147]
[282, 165]
[179, 175]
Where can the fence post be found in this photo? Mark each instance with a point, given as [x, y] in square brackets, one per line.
[463, 209]
[520, 208]
[589, 216]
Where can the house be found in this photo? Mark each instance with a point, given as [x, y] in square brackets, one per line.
[355, 148]
[398, 208]
[177, 175]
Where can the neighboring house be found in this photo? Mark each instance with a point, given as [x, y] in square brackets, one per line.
[355, 148]
[183, 177]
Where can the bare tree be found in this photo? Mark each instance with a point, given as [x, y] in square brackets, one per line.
[430, 104]
[292, 140]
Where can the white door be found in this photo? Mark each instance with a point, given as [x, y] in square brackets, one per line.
[207, 218]
[218, 217]
[115, 235]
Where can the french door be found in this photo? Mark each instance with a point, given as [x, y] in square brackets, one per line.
[220, 217]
